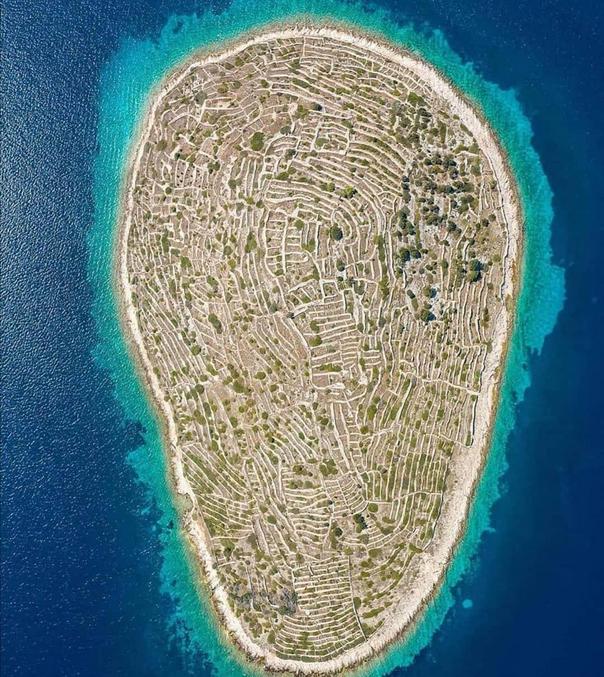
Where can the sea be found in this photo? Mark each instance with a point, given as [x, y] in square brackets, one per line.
[95, 576]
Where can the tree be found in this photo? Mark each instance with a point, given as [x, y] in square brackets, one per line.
[336, 233]
[474, 272]
[425, 315]
[404, 256]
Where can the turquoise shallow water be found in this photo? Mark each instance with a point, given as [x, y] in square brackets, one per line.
[126, 83]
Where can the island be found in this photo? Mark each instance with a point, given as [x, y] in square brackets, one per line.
[317, 265]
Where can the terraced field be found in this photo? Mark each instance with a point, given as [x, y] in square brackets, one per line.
[317, 258]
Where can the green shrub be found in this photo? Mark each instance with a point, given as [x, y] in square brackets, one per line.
[257, 141]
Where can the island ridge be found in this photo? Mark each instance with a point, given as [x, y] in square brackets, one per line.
[317, 267]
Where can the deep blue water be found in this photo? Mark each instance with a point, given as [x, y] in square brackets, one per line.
[81, 552]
